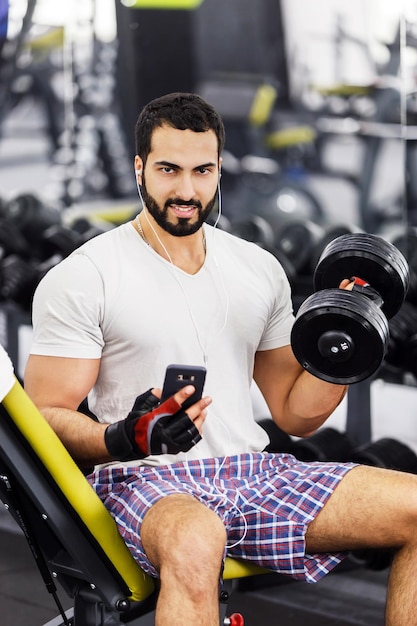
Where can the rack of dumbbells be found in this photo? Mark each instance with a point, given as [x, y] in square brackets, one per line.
[72, 76]
[92, 156]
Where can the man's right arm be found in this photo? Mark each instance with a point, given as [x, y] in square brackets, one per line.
[57, 386]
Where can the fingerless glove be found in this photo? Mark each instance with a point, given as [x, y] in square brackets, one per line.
[151, 427]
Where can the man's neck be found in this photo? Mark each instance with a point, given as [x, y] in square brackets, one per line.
[187, 253]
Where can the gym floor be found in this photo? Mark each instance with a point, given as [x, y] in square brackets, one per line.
[352, 595]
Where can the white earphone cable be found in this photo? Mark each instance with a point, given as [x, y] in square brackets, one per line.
[203, 347]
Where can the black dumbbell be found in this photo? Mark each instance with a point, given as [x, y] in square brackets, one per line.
[279, 440]
[31, 217]
[406, 242]
[18, 279]
[341, 336]
[58, 240]
[400, 347]
[297, 239]
[327, 444]
[254, 228]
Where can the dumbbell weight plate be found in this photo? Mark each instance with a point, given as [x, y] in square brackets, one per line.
[255, 229]
[297, 239]
[372, 259]
[339, 336]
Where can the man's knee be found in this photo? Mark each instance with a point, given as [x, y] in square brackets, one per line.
[179, 534]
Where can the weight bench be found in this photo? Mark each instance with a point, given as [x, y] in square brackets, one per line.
[73, 538]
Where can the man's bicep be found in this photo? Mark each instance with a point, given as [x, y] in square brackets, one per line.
[275, 374]
[59, 382]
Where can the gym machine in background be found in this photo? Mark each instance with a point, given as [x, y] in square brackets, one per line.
[69, 71]
[177, 45]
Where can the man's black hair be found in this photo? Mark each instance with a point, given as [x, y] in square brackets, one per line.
[178, 110]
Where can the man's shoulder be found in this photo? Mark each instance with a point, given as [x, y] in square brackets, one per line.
[104, 249]
[94, 256]
[112, 238]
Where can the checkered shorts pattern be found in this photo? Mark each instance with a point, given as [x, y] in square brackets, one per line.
[265, 501]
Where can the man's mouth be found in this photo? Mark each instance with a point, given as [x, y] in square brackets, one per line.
[183, 211]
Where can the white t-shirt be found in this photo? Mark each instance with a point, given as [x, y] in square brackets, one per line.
[118, 300]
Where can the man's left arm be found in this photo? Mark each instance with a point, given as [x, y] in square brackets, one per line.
[298, 401]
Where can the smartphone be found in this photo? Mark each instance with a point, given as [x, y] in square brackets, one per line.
[178, 376]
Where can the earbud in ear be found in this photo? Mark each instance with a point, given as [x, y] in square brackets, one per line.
[137, 172]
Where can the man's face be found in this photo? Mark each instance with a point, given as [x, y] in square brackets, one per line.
[180, 179]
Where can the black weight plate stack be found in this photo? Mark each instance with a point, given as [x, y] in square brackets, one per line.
[406, 242]
[388, 453]
[401, 327]
[357, 331]
[411, 362]
[327, 444]
[370, 258]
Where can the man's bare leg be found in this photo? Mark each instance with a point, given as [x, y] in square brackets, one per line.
[374, 508]
[184, 541]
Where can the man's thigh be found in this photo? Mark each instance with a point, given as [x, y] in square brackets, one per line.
[370, 508]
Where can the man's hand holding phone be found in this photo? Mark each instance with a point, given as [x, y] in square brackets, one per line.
[159, 427]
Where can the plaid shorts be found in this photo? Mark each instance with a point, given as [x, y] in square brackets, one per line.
[265, 501]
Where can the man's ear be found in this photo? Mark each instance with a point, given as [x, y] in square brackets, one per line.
[138, 169]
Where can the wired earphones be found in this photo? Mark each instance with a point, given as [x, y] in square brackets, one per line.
[203, 345]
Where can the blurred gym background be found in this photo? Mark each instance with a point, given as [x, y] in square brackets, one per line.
[319, 101]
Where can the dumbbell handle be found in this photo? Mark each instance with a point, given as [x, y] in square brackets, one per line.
[361, 286]
[359, 281]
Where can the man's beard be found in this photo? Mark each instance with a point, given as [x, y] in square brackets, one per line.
[184, 226]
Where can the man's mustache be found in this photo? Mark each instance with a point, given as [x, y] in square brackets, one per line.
[181, 202]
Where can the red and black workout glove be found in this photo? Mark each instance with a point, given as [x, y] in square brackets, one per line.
[151, 428]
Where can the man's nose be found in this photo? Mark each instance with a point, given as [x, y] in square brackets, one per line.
[185, 187]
